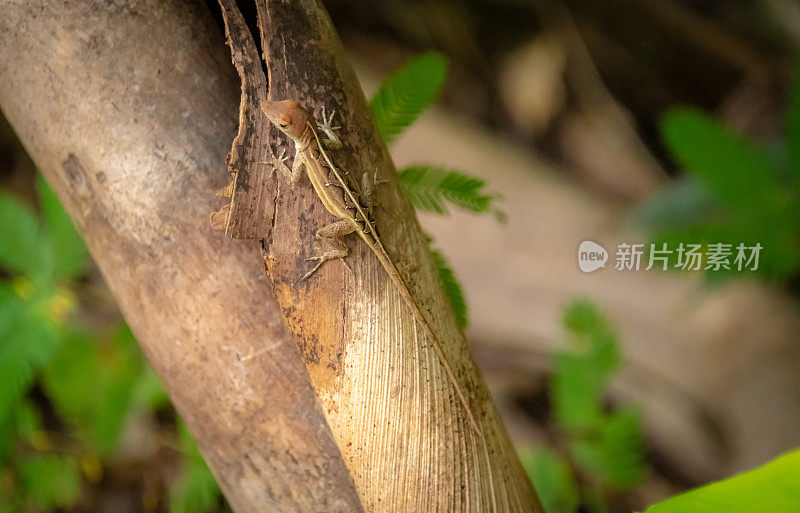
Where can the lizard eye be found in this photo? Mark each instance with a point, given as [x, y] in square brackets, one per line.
[283, 125]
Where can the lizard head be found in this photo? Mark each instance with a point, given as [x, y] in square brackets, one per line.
[289, 116]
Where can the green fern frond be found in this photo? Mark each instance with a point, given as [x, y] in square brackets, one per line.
[452, 288]
[430, 188]
[406, 93]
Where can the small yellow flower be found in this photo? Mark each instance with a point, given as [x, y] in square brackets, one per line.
[60, 305]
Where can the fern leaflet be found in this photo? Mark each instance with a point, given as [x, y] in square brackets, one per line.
[430, 188]
[452, 288]
[406, 93]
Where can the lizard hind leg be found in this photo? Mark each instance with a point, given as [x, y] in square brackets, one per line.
[332, 236]
[369, 186]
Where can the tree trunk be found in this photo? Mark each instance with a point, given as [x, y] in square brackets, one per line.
[128, 111]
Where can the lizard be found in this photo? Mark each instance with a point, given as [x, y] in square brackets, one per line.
[344, 202]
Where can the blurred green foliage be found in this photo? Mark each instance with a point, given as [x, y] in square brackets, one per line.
[553, 478]
[66, 391]
[197, 489]
[606, 448]
[608, 445]
[735, 191]
[773, 488]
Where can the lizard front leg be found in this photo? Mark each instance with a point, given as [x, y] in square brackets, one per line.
[297, 167]
[331, 141]
[280, 164]
[332, 235]
[294, 175]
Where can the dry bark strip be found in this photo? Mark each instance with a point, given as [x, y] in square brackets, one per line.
[395, 416]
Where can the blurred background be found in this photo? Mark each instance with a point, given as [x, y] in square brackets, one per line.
[612, 121]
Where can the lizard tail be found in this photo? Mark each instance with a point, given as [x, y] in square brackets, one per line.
[391, 270]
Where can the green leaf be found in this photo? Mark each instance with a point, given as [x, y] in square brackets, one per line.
[12, 504]
[773, 488]
[779, 257]
[553, 480]
[738, 174]
[149, 392]
[21, 247]
[196, 491]
[16, 377]
[576, 394]
[50, 480]
[20, 422]
[91, 384]
[15, 370]
[614, 453]
[430, 188]
[609, 447]
[27, 342]
[122, 367]
[793, 128]
[452, 289]
[685, 202]
[67, 245]
[406, 93]
[71, 380]
[582, 372]
[736, 193]
[28, 420]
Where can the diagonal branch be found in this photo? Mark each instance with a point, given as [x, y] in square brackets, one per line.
[394, 413]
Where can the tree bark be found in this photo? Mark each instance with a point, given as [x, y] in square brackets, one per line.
[128, 111]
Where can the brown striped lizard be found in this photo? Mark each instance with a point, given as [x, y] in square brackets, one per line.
[352, 207]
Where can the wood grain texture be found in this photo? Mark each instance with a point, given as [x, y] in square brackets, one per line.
[402, 431]
[128, 108]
